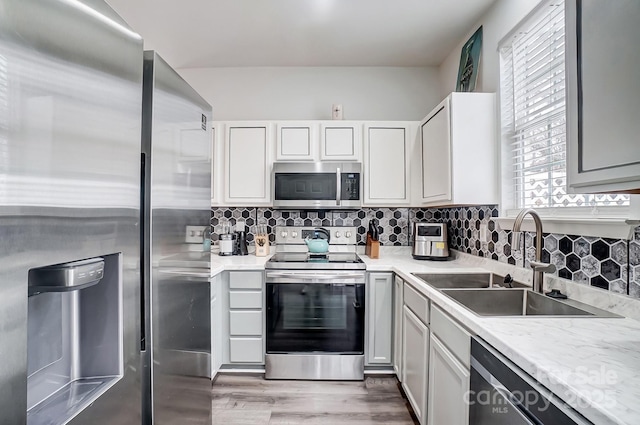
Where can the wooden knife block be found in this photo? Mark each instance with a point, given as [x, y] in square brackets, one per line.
[372, 248]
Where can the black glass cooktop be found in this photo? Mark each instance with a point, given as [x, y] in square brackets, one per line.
[291, 260]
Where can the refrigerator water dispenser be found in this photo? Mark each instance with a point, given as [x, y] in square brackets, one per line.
[74, 342]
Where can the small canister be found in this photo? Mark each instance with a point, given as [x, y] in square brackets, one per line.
[226, 244]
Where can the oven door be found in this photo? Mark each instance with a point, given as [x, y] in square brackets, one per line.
[315, 312]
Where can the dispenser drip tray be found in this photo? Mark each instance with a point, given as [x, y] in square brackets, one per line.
[65, 404]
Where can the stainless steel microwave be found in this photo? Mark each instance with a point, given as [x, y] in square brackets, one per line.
[317, 185]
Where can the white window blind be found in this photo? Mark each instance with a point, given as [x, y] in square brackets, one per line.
[534, 113]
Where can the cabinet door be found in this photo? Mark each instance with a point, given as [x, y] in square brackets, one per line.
[436, 154]
[246, 350]
[448, 387]
[386, 167]
[216, 326]
[340, 141]
[415, 352]
[380, 318]
[397, 326]
[296, 141]
[247, 164]
[603, 95]
[217, 162]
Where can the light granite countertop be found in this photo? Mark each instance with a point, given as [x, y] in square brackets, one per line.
[593, 364]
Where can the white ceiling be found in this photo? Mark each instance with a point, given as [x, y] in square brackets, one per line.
[237, 33]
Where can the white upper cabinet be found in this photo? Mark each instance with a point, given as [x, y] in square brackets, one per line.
[387, 148]
[340, 141]
[217, 162]
[456, 154]
[297, 141]
[436, 155]
[247, 163]
[603, 95]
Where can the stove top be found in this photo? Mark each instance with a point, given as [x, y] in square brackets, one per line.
[305, 260]
[292, 252]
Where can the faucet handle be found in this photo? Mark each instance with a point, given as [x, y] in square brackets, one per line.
[542, 267]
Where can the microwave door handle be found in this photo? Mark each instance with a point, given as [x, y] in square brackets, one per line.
[338, 186]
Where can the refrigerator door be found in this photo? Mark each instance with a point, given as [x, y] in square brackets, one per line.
[177, 157]
[70, 125]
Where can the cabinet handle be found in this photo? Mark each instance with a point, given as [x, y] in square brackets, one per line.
[338, 185]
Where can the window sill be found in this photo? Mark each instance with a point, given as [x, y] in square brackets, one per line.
[614, 228]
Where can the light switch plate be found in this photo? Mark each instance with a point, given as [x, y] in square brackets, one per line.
[194, 234]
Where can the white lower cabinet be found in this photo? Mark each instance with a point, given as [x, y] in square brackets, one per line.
[448, 387]
[216, 325]
[379, 318]
[449, 370]
[415, 354]
[245, 350]
[433, 358]
[244, 322]
[398, 302]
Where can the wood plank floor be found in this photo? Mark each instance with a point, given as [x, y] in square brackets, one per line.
[252, 400]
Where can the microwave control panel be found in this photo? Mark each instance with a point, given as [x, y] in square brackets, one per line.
[350, 185]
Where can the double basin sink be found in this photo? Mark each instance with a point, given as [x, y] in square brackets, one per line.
[486, 294]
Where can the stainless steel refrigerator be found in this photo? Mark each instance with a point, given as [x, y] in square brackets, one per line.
[102, 307]
[70, 126]
[176, 146]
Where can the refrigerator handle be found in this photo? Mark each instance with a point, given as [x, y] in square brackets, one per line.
[143, 257]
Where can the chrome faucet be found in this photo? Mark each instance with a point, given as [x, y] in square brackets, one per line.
[539, 268]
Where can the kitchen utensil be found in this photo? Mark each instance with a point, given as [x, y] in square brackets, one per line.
[261, 240]
[317, 246]
[241, 247]
[372, 246]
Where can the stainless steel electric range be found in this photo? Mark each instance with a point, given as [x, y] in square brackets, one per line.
[315, 307]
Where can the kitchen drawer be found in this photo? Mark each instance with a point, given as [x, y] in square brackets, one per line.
[417, 303]
[245, 299]
[246, 350]
[245, 322]
[245, 280]
[454, 337]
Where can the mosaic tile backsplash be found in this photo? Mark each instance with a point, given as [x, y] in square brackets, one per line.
[611, 264]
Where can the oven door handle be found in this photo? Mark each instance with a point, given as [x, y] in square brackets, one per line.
[303, 277]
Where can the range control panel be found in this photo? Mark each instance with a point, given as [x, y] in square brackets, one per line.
[286, 235]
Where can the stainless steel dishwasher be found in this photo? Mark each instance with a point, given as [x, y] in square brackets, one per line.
[502, 394]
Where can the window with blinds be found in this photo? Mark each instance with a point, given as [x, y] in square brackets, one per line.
[532, 74]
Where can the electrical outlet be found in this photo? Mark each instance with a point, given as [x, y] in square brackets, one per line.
[194, 234]
[484, 232]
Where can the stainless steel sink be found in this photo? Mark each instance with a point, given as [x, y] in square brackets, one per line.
[521, 302]
[465, 280]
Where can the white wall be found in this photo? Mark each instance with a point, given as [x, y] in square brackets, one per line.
[299, 93]
[497, 22]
